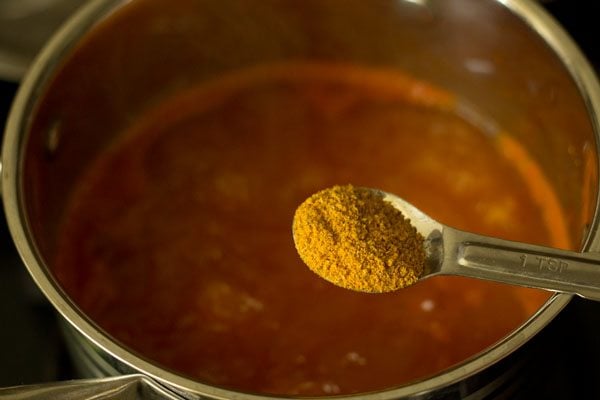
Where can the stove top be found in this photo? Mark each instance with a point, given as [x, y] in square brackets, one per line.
[565, 366]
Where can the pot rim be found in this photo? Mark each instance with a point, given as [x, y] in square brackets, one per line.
[11, 167]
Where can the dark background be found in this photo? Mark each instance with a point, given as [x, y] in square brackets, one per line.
[566, 367]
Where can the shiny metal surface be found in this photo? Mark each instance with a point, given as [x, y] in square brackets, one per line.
[505, 69]
[450, 251]
[131, 387]
[25, 26]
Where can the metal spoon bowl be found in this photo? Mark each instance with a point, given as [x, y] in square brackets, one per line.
[450, 251]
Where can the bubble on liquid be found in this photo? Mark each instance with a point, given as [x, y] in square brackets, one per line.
[427, 305]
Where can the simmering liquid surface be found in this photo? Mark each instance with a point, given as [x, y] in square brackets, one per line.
[177, 240]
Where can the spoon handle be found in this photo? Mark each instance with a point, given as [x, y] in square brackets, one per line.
[521, 264]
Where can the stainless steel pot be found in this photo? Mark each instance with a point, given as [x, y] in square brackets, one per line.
[112, 60]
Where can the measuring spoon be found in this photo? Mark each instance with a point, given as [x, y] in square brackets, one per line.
[450, 251]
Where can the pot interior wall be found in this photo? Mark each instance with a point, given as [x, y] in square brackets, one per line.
[149, 49]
